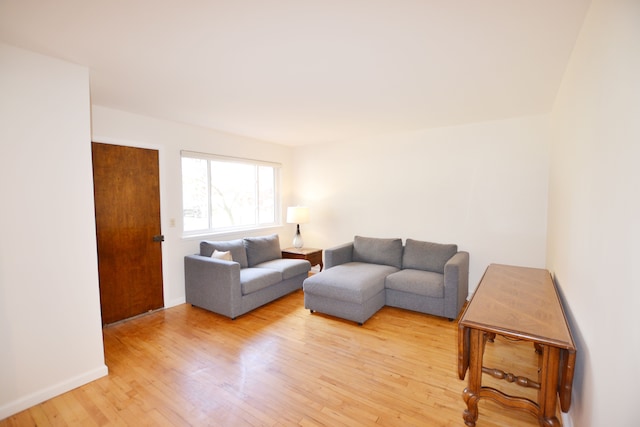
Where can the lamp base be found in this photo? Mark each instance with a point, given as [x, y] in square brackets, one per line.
[297, 239]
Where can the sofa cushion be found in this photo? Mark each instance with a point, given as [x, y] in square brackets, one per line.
[427, 256]
[378, 251]
[419, 282]
[236, 247]
[255, 279]
[354, 282]
[287, 267]
[261, 249]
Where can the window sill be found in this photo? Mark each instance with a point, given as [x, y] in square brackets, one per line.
[229, 235]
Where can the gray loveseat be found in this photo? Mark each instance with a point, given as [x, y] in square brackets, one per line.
[234, 277]
[364, 275]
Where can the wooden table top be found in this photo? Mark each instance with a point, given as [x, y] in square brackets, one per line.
[519, 302]
[301, 251]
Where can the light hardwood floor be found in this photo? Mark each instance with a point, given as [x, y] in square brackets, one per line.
[281, 366]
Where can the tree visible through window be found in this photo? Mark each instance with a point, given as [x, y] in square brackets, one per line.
[223, 194]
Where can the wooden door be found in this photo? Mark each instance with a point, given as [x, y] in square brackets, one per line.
[127, 204]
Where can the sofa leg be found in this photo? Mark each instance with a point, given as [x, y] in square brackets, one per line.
[311, 311]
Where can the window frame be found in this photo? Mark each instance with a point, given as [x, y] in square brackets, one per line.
[212, 230]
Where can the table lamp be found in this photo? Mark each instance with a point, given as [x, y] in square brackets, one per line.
[297, 215]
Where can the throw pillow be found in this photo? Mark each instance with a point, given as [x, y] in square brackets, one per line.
[226, 255]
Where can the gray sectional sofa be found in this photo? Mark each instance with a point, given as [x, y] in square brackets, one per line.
[362, 276]
[234, 277]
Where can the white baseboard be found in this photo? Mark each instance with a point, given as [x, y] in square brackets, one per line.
[566, 420]
[40, 396]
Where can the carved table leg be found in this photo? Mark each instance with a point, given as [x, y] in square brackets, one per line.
[547, 395]
[471, 393]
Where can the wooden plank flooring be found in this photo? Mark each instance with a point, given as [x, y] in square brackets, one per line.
[281, 366]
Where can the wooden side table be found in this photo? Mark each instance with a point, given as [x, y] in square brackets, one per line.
[313, 255]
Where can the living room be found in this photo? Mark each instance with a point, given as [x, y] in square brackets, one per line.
[554, 189]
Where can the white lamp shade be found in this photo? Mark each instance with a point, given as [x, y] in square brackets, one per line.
[297, 215]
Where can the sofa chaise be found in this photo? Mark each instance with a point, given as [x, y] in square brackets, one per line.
[364, 275]
[234, 277]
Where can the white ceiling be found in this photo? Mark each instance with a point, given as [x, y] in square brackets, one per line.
[305, 71]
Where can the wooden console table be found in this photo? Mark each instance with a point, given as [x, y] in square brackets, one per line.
[522, 304]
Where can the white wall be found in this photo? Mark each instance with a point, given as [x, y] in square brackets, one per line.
[482, 186]
[118, 127]
[594, 211]
[50, 327]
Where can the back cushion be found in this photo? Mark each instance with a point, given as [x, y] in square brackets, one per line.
[236, 247]
[378, 251]
[427, 256]
[261, 249]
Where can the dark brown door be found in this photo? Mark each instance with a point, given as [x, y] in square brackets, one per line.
[127, 201]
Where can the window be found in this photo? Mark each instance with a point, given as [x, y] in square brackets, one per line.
[227, 194]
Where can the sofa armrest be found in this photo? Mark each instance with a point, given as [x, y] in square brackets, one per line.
[456, 284]
[338, 255]
[213, 284]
